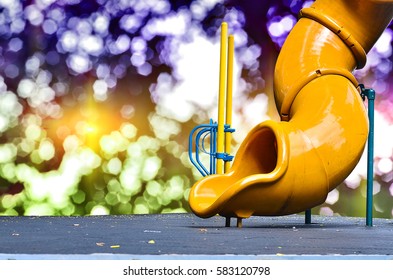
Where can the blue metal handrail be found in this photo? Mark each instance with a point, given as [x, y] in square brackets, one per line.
[197, 141]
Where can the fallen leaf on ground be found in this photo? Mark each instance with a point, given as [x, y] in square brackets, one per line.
[151, 242]
[100, 244]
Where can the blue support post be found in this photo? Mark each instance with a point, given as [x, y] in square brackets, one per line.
[370, 94]
[370, 158]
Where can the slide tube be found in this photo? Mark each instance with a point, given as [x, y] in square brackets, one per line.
[289, 166]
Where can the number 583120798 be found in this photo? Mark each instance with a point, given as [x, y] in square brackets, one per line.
[243, 270]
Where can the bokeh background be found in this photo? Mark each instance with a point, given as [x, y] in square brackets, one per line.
[98, 97]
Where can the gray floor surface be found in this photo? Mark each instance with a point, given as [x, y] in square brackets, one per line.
[187, 236]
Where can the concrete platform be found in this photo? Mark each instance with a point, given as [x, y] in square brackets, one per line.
[185, 236]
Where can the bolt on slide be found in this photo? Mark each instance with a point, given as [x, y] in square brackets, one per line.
[289, 166]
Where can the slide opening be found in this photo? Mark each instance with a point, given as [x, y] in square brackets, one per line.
[261, 153]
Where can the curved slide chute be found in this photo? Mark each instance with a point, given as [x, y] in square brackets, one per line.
[289, 166]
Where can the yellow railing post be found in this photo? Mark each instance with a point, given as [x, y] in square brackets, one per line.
[221, 96]
[228, 111]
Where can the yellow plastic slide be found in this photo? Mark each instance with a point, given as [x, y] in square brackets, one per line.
[289, 166]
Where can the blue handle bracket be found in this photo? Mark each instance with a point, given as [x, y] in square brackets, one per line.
[197, 141]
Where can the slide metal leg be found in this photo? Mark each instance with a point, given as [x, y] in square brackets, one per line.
[239, 223]
[307, 217]
[227, 221]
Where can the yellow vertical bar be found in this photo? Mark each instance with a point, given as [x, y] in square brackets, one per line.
[228, 111]
[221, 97]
